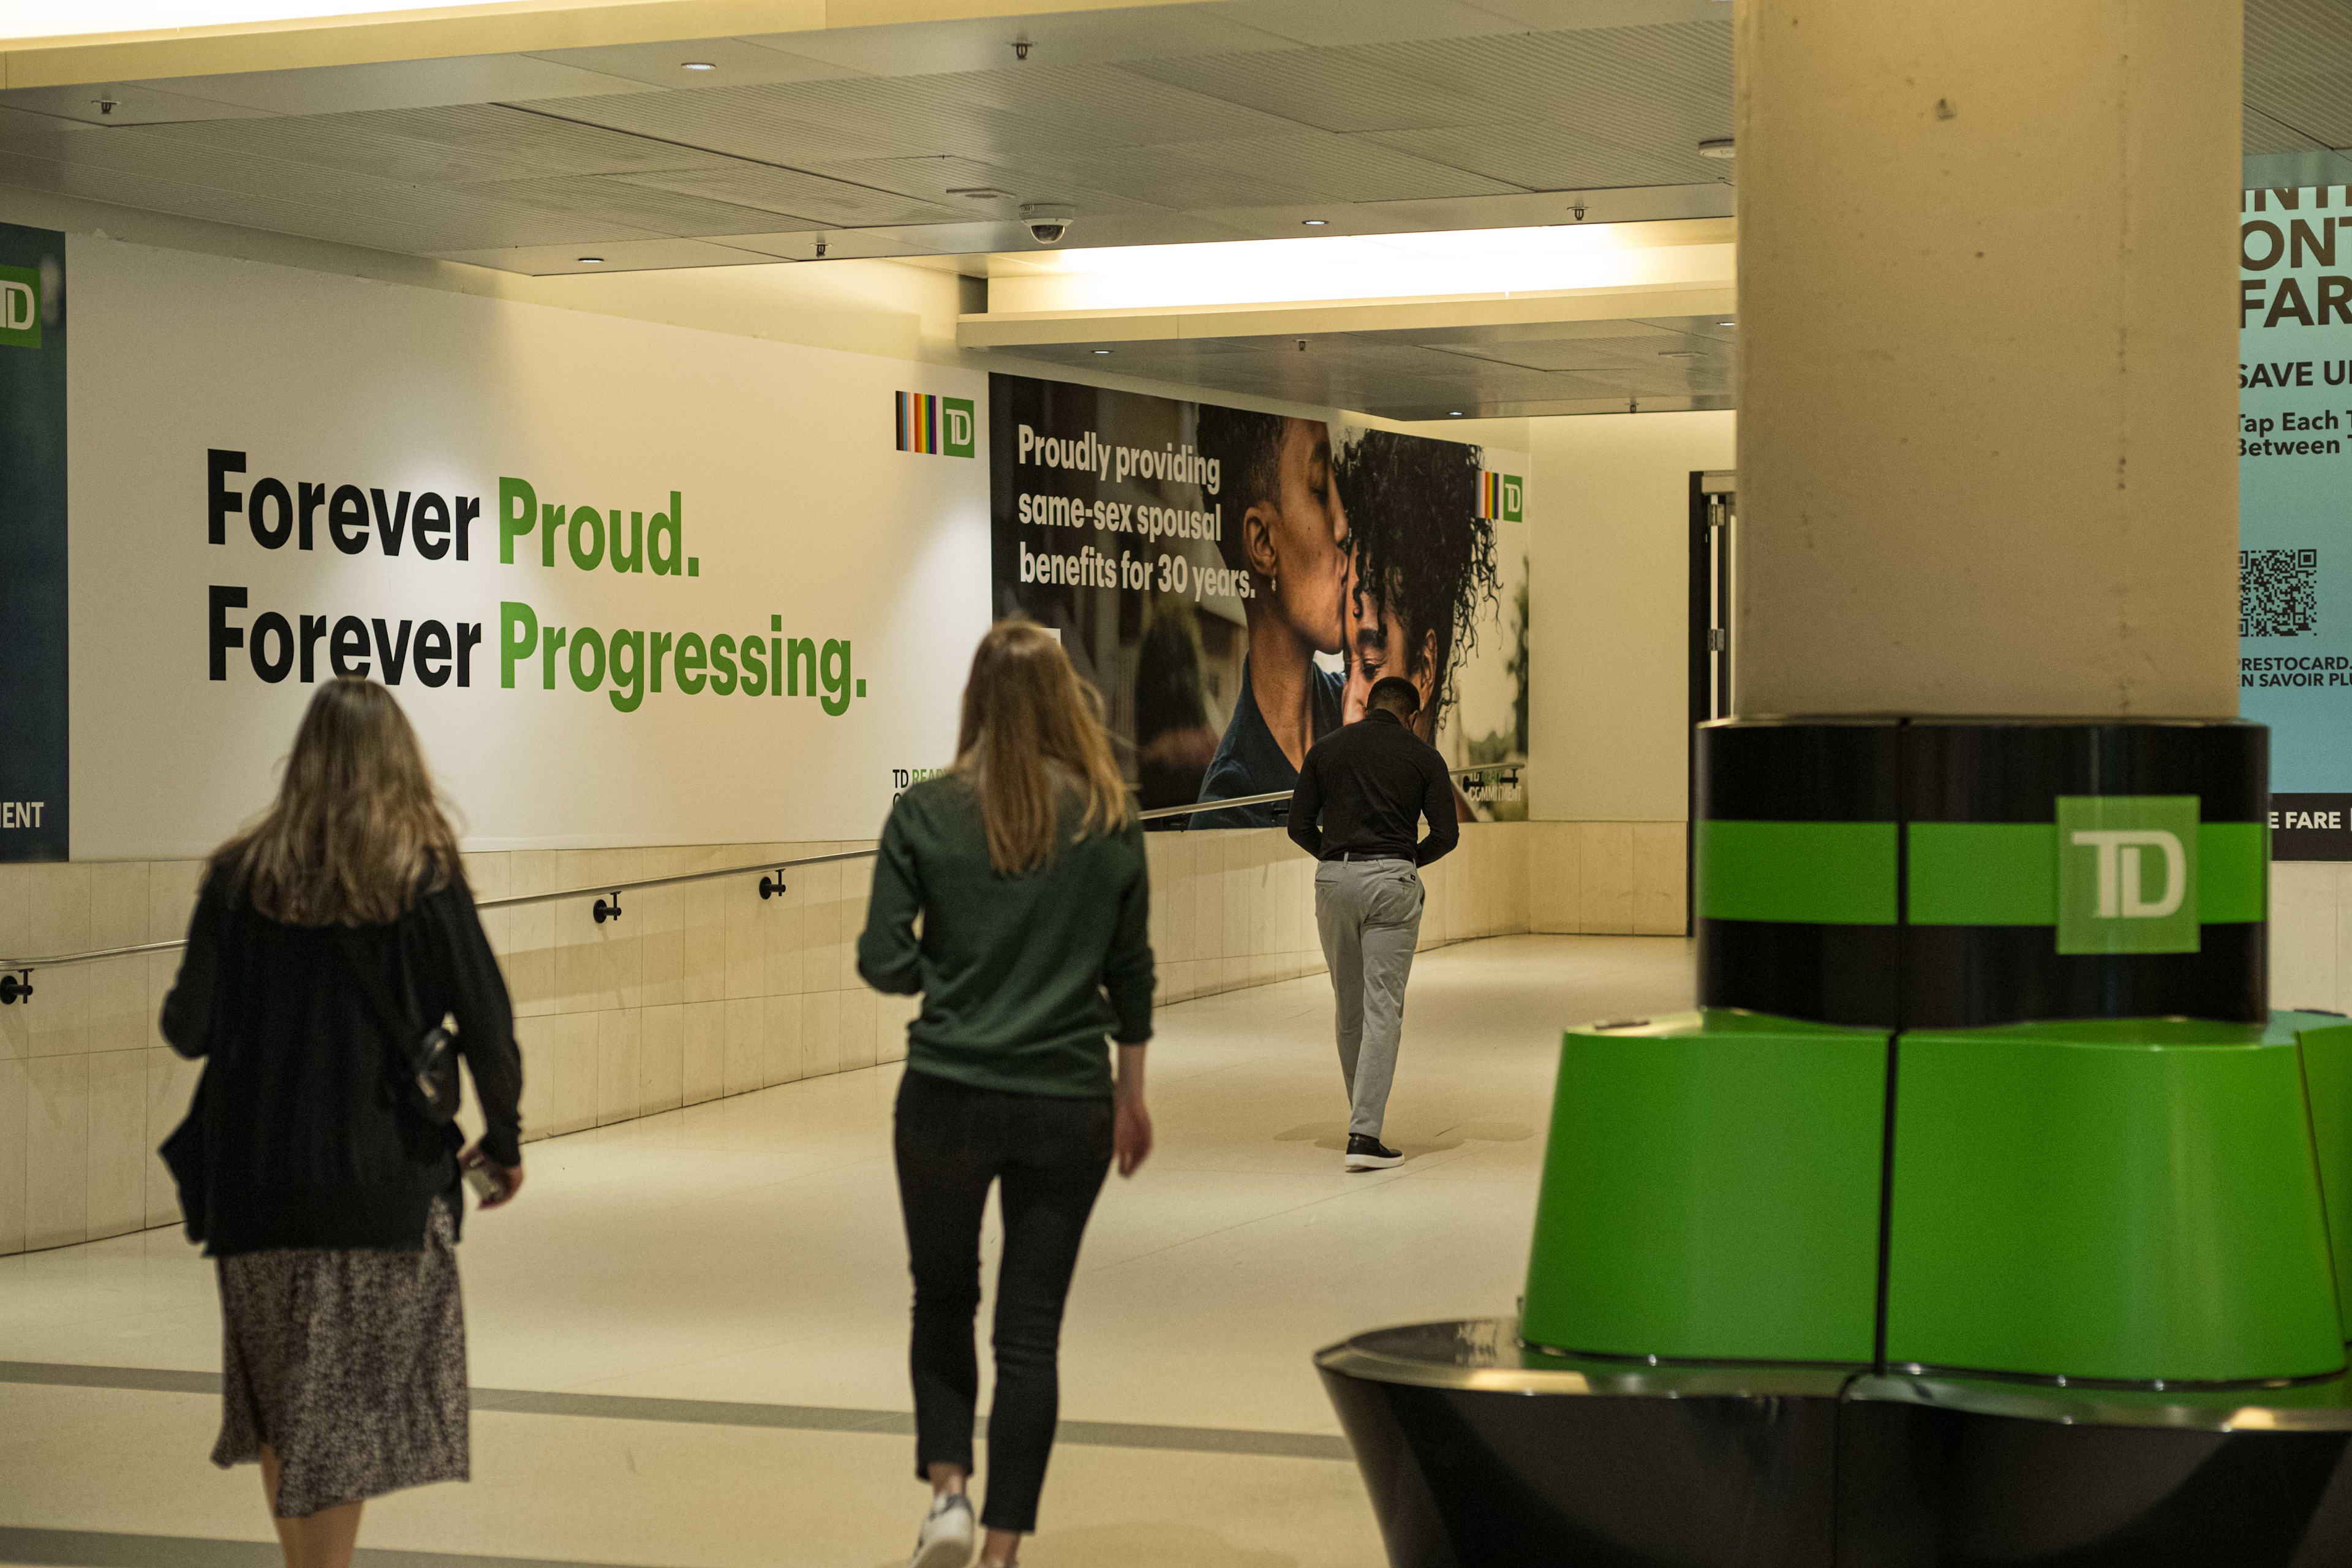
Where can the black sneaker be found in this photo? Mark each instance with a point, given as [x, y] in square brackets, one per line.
[1370, 1154]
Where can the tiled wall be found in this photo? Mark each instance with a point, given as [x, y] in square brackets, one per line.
[1607, 877]
[696, 992]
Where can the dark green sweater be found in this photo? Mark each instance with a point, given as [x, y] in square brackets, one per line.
[1022, 976]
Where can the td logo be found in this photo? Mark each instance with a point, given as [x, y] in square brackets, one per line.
[2127, 873]
[20, 308]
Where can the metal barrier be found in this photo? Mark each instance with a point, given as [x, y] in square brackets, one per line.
[16, 973]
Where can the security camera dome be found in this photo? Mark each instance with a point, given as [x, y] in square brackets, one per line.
[1047, 221]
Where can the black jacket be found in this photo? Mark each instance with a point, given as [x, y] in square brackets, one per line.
[1364, 790]
[305, 1142]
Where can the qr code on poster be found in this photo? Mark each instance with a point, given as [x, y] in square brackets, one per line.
[2278, 593]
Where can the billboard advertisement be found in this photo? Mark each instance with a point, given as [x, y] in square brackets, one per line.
[2295, 558]
[1233, 583]
[36, 759]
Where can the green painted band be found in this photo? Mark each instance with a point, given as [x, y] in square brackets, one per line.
[2006, 873]
[2233, 871]
[1807, 873]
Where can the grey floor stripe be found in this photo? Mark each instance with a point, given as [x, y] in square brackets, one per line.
[734, 1413]
[103, 1549]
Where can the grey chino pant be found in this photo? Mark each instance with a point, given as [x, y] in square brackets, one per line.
[1369, 912]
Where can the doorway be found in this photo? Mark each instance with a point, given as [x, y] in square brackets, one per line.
[1714, 513]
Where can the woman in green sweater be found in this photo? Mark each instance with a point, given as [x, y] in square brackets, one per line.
[1025, 864]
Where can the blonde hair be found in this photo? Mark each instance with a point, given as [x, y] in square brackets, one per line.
[357, 833]
[1033, 729]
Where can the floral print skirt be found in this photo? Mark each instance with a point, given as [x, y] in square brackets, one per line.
[350, 1365]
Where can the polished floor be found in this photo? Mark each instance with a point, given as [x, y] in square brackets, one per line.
[688, 1336]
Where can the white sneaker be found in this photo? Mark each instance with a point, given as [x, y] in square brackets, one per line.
[948, 1533]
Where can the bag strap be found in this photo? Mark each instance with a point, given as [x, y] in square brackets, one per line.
[399, 1027]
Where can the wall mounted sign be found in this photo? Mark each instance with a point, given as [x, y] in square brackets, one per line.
[2295, 529]
[35, 753]
[1233, 583]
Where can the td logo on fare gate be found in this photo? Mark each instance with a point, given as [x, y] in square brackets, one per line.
[2127, 873]
[20, 308]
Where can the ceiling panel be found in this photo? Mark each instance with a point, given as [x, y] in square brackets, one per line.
[908, 117]
[931, 177]
[413, 221]
[540, 140]
[1366, 21]
[628, 202]
[1328, 89]
[926, 48]
[1105, 103]
[840, 244]
[1351, 169]
[334, 144]
[1564, 15]
[806, 195]
[734, 62]
[1544, 156]
[398, 84]
[134, 104]
[623, 256]
[1152, 175]
[1665, 88]
[2299, 72]
[196, 163]
[985, 237]
[747, 122]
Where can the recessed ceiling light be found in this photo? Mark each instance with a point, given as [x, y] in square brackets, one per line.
[1717, 147]
[1102, 351]
[1726, 323]
[1455, 413]
[980, 193]
[592, 261]
[1318, 222]
[697, 66]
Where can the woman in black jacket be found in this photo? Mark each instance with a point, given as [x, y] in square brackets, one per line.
[333, 1204]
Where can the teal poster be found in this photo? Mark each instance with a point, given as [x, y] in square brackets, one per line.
[2295, 490]
[35, 820]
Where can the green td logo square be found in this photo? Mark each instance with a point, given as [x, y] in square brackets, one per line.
[20, 308]
[2127, 873]
[961, 433]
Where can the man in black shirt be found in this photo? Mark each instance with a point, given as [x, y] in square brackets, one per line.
[1362, 792]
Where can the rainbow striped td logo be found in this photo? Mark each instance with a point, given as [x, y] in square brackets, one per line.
[941, 426]
[1502, 497]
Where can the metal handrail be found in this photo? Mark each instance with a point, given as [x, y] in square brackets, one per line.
[763, 867]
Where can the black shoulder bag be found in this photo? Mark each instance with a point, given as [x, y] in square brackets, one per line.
[424, 1060]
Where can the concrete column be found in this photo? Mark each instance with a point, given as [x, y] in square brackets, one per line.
[1986, 266]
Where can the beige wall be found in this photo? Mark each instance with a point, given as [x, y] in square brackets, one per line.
[2311, 935]
[1609, 704]
[698, 993]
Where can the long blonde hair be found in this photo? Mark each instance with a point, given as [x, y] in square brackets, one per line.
[1031, 729]
[357, 833]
